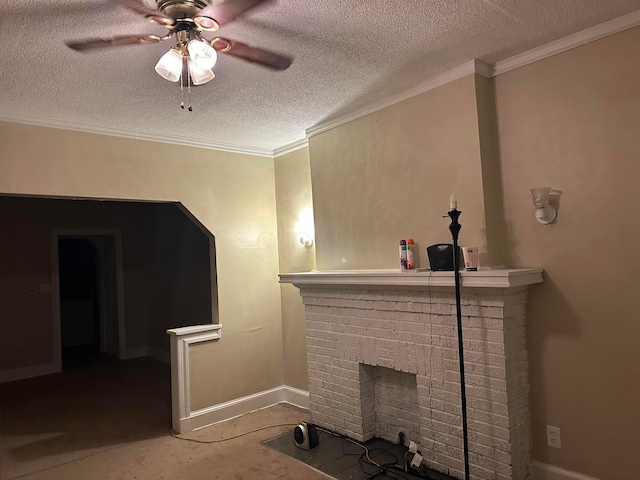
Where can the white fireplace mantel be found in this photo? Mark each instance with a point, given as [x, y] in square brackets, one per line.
[503, 278]
[376, 336]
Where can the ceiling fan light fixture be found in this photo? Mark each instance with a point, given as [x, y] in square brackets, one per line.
[169, 66]
[202, 54]
[200, 76]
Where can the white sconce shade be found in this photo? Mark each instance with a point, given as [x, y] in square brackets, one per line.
[169, 66]
[202, 54]
[305, 239]
[305, 227]
[545, 213]
[199, 76]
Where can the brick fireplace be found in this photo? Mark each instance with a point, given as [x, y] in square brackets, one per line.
[382, 355]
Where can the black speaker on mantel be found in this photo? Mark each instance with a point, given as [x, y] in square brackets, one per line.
[441, 257]
[305, 436]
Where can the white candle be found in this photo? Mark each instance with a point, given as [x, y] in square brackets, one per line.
[453, 202]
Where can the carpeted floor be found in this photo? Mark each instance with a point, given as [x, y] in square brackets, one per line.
[112, 421]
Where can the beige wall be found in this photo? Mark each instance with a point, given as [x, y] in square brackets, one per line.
[295, 210]
[231, 194]
[388, 176]
[491, 172]
[180, 289]
[572, 122]
[25, 264]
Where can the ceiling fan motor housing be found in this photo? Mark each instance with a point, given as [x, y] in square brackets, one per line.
[186, 20]
[179, 9]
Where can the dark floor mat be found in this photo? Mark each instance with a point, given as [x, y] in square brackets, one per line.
[343, 460]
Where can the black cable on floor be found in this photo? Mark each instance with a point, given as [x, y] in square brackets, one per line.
[365, 458]
[231, 438]
[395, 459]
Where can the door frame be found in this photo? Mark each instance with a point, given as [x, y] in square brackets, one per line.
[56, 234]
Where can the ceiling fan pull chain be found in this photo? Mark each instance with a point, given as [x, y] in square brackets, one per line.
[181, 91]
[189, 89]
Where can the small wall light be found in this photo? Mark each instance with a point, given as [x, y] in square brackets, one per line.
[545, 213]
[305, 227]
[305, 239]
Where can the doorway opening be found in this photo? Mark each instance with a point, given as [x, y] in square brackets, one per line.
[86, 282]
[88, 299]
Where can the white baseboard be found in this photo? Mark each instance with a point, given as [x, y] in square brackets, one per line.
[49, 368]
[295, 396]
[28, 372]
[159, 355]
[243, 405]
[134, 353]
[146, 352]
[543, 471]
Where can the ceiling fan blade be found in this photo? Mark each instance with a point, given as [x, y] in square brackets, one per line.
[214, 15]
[95, 43]
[150, 14]
[252, 54]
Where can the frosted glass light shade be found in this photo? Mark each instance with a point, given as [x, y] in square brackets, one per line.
[204, 56]
[169, 66]
[199, 76]
[540, 196]
[545, 213]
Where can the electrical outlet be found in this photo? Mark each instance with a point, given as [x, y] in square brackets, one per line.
[553, 437]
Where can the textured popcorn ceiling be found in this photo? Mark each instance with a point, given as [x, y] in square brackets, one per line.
[347, 54]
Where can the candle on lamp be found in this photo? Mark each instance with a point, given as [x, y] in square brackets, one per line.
[453, 202]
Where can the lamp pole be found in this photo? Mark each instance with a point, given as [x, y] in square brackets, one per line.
[454, 228]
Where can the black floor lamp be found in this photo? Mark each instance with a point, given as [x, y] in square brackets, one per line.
[455, 227]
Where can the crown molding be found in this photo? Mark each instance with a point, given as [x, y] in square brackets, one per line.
[115, 132]
[468, 68]
[550, 49]
[578, 39]
[482, 68]
[291, 147]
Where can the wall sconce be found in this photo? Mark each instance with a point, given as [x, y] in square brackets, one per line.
[545, 213]
[305, 239]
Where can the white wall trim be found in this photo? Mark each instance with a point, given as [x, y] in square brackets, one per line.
[159, 355]
[543, 471]
[291, 147]
[146, 352]
[132, 353]
[468, 68]
[295, 396]
[578, 39]
[235, 408]
[28, 372]
[136, 135]
[250, 403]
[180, 341]
[583, 37]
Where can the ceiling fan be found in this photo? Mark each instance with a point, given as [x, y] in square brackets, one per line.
[193, 56]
